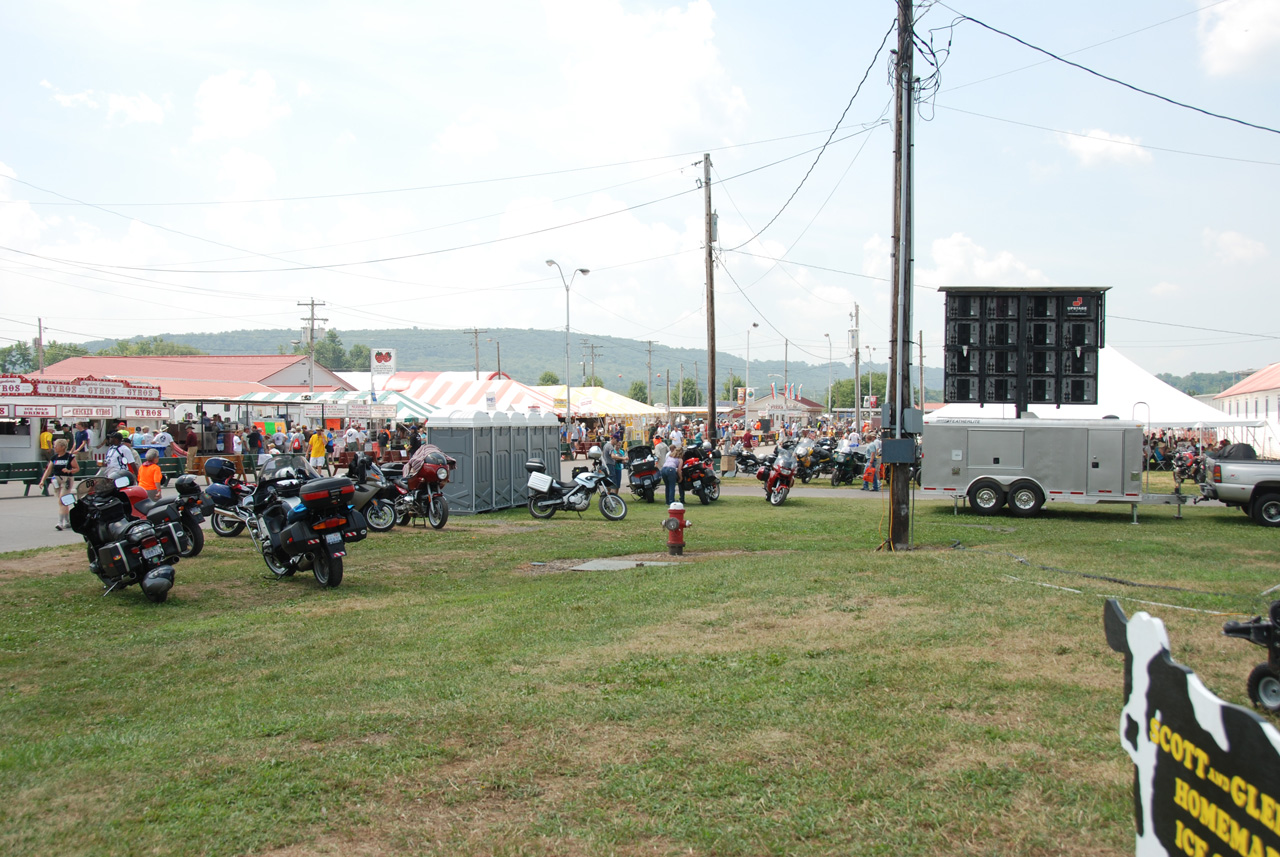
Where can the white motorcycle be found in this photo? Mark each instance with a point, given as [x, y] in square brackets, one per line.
[547, 495]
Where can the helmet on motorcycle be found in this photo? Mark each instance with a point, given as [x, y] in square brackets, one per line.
[594, 453]
[219, 470]
[186, 485]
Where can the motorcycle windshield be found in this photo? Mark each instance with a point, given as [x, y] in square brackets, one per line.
[786, 459]
[288, 467]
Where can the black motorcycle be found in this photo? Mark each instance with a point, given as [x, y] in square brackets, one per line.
[303, 521]
[229, 501]
[644, 480]
[548, 495]
[745, 461]
[698, 475]
[848, 467]
[122, 549]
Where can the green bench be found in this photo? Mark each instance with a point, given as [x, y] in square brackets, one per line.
[27, 472]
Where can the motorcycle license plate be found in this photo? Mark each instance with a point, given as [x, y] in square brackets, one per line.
[333, 538]
[152, 553]
[697, 483]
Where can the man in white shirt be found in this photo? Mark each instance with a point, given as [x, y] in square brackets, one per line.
[162, 438]
[119, 454]
[352, 438]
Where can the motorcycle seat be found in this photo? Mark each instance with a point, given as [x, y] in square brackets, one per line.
[118, 529]
[145, 506]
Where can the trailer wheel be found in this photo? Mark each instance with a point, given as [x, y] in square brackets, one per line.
[1266, 510]
[1025, 499]
[986, 496]
[1264, 688]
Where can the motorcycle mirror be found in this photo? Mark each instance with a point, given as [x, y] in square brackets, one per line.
[122, 481]
[68, 499]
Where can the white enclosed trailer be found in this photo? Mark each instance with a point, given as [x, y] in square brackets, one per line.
[1025, 462]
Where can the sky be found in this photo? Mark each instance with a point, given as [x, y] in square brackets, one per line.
[178, 166]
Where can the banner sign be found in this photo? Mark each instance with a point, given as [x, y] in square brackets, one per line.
[359, 411]
[89, 412]
[35, 410]
[382, 361]
[315, 412]
[1206, 773]
[148, 413]
[6, 410]
[742, 395]
[382, 412]
[490, 402]
[80, 388]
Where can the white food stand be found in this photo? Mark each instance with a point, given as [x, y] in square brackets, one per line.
[27, 401]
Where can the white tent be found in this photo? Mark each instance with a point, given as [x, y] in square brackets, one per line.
[1125, 390]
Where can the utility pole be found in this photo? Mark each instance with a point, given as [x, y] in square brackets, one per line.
[857, 374]
[475, 341]
[695, 383]
[648, 385]
[711, 298]
[922, 399]
[786, 388]
[311, 341]
[595, 349]
[40, 343]
[899, 387]
[668, 394]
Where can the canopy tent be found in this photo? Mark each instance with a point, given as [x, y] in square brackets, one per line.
[1125, 390]
[451, 391]
[598, 402]
[406, 408]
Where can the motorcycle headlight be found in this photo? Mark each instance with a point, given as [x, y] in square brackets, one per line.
[443, 474]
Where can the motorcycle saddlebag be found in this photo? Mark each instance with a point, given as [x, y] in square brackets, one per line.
[762, 474]
[165, 513]
[173, 536]
[294, 539]
[112, 560]
[328, 495]
[356, 528]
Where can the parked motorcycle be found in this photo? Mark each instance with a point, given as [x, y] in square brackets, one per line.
[375, 496]
[548, 495]
[122, 549]
[1188, 465]
[186, 510]
[230, 505]
[698, 474]
[420, 490]
[848, 467]
[644, 472]
[303, 521]
[778, 478]
[745, 461]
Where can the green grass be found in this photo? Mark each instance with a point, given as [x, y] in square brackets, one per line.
[786, 689]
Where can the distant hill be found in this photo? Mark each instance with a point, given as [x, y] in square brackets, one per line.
[526, 354]
[1201, 383]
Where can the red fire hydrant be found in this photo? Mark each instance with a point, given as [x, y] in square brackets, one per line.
[675, 525]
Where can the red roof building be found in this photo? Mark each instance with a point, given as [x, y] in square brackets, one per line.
[1257, 396]
[204, 376]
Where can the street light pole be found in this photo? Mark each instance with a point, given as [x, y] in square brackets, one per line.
[746, 397]
[828, 336]
[568, 389]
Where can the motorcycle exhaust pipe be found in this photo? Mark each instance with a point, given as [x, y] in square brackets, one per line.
[226, 513]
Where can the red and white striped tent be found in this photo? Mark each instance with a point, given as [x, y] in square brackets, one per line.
[450, 391]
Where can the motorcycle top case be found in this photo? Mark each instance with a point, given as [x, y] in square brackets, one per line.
[332, 494]
[219, 470]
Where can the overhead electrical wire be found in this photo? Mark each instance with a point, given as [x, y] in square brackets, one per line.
[1195, 327]
[445, 186]
[805, 265]
[823, 148]
[1108, 78]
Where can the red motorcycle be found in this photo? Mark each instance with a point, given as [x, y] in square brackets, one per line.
[778, 475]
[421, 490]
[186, 511]
[698, 474]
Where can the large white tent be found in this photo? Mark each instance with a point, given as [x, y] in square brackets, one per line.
[1125, 390]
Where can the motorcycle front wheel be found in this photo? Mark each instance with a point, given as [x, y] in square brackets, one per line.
[327, 569]
[196, 533]
[613, 507]
[542, 512]
[438, 513]
[380, 516]
[224, 526]
[777, 496]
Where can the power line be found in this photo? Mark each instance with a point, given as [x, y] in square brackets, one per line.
[1194, 327]
[804, 265]
[823, 148]
[445, 186]
[1117, 81]
[1112, 141]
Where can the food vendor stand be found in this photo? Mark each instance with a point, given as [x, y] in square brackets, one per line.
[28, 401]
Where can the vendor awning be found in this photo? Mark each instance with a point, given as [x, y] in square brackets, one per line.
[448, 392]
[341, 401]
[598, 402]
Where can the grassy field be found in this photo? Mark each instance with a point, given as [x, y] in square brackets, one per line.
[782, 689]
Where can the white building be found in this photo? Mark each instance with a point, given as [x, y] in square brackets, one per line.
[1256, 397]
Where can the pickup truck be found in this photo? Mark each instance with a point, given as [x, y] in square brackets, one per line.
[1238, 478]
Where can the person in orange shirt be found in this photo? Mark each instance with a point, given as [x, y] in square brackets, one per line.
[149, 475]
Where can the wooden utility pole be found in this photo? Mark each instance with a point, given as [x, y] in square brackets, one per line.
[898, 393]
[40, 343]
[922, 399]
[857, 374]
[475, 341]
[648, 386]
[711, 300]
[311, 341]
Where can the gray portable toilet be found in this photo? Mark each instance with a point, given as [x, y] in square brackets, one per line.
[491, 449]
[535, 435]
[455, 434]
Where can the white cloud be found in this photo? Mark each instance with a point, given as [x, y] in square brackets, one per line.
[249, 175]
[135, 108]
[475, 133]
[1163, 290]
[1239, 37]
[79, 99]
[236, 105]
[958, 261]
[1232, 247]
[304, 89]
[1097, 147]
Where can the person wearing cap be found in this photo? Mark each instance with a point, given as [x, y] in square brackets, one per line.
[149, 475]
[119, 453]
